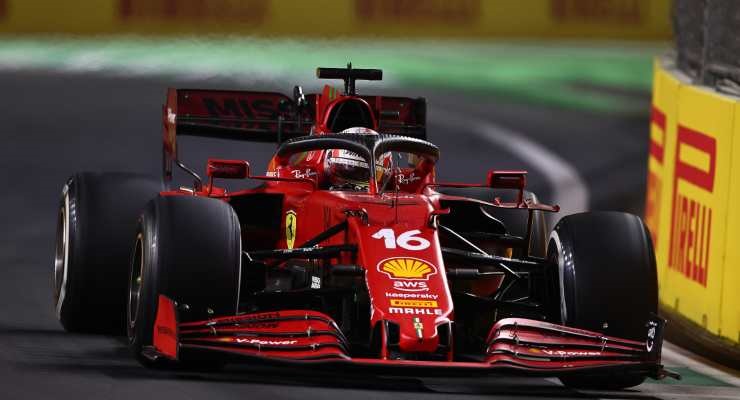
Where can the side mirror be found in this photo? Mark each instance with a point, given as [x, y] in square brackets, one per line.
[227, 169]
[508, 180]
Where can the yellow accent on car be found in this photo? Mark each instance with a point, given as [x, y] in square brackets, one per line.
[407, 268]
[291, 222]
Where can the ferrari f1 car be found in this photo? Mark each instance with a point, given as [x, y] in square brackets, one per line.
[351, 252]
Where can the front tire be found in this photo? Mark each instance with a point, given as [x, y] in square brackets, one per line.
[188, 249]
[96, 221]
[607, 280]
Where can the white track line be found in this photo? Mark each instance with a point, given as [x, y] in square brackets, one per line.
[676, 356]
[569, 190]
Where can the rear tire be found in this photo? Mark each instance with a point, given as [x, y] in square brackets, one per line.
[96, 221]
[188, 249]
[607, 280]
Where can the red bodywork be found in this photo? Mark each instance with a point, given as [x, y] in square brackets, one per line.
[407, 284]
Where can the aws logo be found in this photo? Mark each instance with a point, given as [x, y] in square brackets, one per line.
[411, 286]
[407, 268]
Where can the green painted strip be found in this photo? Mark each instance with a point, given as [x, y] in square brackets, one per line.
[690, 377]
[529, 72]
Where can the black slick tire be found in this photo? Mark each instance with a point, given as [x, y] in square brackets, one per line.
[96, 224]
[189, 249]
[607, 280]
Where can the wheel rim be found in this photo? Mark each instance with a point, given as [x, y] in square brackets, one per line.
[555, 254]
[135, 284]
[61, 253]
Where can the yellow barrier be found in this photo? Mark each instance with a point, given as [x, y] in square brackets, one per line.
[730, 312]
[691, 201]
[662, 127]
[621, 19]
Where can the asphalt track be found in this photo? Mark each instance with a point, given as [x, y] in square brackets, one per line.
[52, 125]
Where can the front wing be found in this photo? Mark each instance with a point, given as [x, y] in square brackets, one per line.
[515, 345]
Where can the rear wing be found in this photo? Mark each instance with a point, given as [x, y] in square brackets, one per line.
[394, 115]
[235, 115]
[403, 116]
[400, 115]
[268, 117]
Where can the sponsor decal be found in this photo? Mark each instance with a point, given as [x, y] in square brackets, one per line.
[261, 316]
[564, 353]
[628, 12]
[411, 286]
[260, 325]
[305, 174]
[414, 311]
[407, 268]
[315, 282]
[263, 342]
[402, 179]
[346, 158]
[290, 227]
[691, 225]
[654, 180]
[247, 319]
[650, 342]
[419, 327]
[428, 296]
[243, 11]
[418, 11]
[165, 330]
[414, 303]
[232, 110]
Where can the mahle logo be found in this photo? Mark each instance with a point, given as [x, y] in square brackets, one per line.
[407, 268]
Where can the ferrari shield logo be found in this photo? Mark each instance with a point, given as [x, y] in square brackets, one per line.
[407, 268]
[418, 327]
[290, 227]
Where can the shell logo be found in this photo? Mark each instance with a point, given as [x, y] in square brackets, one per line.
[407, 268]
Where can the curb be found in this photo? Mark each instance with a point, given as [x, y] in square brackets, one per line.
[691, 336]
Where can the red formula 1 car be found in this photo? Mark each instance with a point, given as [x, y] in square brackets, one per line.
[350, 252]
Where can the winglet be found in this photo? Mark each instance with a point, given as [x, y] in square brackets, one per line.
[165, 328]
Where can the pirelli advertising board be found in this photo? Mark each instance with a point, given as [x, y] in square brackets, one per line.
[692, 200]
[620, 19]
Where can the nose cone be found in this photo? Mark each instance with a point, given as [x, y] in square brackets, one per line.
[411, 294]
[417, 335]
[405, 277]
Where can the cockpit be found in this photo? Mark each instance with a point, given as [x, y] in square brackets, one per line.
[397, 163]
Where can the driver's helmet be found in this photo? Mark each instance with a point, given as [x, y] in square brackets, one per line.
[348, 170]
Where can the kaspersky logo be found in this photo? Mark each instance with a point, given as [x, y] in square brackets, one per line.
[407, 268]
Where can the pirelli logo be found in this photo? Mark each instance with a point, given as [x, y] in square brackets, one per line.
[691, 222]
[654, 181]
[414, 303]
